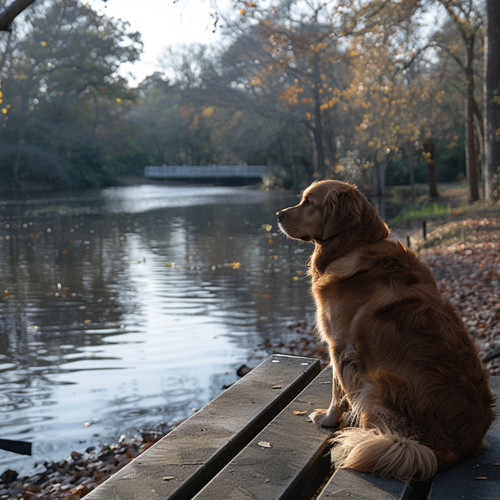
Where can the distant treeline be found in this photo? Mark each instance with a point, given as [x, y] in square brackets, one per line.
[373, 98]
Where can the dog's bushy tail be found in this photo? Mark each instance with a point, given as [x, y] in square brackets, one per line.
[383, 453]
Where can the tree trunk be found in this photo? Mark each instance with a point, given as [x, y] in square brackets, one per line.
[378, 180]
[470, 130]
[470, 147]
[412, 178]
[319, 152]
[431, 168]
[491, 169]
[21, 135]
[381, 177]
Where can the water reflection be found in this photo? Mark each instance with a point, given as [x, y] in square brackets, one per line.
[130, 306]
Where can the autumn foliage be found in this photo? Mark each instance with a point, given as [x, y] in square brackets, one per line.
[370, 91]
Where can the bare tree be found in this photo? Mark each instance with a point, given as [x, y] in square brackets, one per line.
[467, 19]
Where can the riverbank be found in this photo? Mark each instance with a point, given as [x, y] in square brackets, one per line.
[464, 255]
[76, 475]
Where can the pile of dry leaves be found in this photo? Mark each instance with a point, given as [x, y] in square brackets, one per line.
[465, 259]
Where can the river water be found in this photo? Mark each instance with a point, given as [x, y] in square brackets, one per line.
[127, 307]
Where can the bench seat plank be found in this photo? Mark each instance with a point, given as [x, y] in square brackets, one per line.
[354, 485]
[296, 462]
[184, 460]
[478, 476]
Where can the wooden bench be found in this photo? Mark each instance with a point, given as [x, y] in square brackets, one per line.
[255, 441]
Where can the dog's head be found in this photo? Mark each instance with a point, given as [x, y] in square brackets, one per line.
[329, 209]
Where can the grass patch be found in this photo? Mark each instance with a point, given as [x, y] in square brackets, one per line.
[427, 210]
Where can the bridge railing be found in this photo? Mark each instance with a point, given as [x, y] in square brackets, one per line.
[205, 171]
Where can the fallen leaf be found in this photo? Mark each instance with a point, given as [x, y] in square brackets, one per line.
[73, 496]
[265, 444]
[276, 387]
[298, 412]
[168, 478]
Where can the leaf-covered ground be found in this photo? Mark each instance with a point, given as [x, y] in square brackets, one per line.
[465, 259]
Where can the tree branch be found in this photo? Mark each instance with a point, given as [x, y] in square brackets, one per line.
[11, 12]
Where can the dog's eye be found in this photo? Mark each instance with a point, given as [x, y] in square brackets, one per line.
[306, 202]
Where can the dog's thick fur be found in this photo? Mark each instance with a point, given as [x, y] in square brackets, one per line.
[403, 362]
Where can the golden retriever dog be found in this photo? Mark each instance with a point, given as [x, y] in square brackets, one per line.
[404, 365]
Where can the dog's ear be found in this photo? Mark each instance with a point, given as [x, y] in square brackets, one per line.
[341, 210]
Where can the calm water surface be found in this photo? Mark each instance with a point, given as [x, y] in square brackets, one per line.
[127, 307]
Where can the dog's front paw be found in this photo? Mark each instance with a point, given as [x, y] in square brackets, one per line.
[326, 418]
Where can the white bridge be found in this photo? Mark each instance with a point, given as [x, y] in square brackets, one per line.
[231, 174]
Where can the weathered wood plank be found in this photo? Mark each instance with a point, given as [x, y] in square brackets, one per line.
[354, 485]
[296, 462]
[477, 477]
[188, 457]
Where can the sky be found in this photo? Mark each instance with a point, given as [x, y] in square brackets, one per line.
[162, 24]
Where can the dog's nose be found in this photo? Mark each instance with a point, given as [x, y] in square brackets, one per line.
[279, 215]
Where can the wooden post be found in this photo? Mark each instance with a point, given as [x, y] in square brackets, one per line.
[424, 229]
